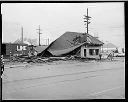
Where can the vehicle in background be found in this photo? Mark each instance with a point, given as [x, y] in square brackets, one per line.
[119, 54]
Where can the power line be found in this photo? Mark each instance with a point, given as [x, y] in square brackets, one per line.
[22, 40]
[47, 41]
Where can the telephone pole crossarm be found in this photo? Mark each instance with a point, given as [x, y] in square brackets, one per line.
[87, 18]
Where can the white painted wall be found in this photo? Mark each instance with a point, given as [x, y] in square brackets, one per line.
[87, 52]
[82, 51]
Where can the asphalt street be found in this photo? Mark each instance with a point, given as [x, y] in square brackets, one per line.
[94, 80]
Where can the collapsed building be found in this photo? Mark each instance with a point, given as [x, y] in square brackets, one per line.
[73, 43]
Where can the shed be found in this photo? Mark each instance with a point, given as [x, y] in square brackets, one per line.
[14, 49]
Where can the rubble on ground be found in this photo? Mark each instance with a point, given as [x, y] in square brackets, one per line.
[38, 59]
[33, 59]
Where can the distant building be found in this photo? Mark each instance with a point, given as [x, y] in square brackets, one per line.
[109, 47]
[73, 43]
[14, 49]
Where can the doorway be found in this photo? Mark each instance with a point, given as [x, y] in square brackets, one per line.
[84, 52]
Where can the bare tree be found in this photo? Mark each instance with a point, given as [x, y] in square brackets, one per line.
[31, 41]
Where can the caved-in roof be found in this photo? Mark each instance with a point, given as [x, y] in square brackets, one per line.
[70, 41]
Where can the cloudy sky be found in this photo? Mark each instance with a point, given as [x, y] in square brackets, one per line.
[56, 18]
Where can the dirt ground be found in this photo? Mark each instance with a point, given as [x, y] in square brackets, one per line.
[72, 79]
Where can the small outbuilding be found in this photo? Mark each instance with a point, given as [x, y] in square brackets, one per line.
[14, 49]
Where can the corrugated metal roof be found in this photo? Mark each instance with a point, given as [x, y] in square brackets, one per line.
[64, 51]
[71, 39]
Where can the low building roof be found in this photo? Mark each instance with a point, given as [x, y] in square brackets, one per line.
[16, 43]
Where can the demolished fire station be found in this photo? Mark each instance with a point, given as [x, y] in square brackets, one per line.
[72, 43]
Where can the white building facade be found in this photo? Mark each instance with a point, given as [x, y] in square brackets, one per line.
[90, 51]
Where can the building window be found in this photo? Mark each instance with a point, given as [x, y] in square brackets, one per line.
[97, 51]
[93, 51]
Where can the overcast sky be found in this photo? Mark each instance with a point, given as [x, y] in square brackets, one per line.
[56, 18]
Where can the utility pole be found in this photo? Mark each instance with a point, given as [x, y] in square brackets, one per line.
[22, 40]
[87, 18]
[22, 35]
[48, 41]
[39, 34]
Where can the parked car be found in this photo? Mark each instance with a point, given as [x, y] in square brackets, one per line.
[119, 54]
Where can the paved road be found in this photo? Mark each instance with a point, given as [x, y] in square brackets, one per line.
[66, 81]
